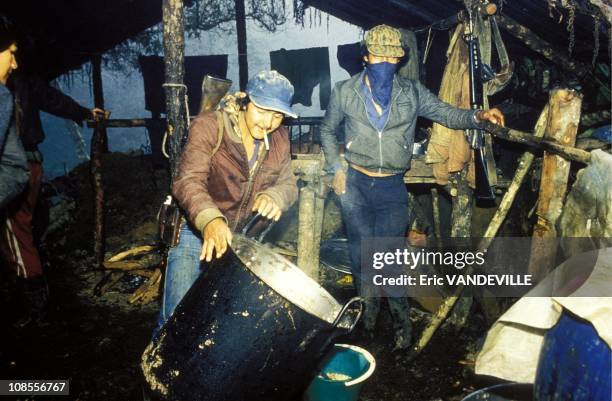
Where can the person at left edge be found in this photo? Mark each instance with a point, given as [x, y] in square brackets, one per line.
[18, 245]
[220, 186]
[13, 163]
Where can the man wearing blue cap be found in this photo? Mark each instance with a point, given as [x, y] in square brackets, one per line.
[236, 162]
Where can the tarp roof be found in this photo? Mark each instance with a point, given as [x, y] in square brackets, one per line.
[533, 14]
[68, 33]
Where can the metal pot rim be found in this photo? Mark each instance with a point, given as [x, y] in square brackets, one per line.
[286, 279]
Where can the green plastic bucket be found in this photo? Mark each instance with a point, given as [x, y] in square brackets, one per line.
[344, 371]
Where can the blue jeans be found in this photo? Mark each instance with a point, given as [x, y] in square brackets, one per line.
[375, 207]
[182, 270]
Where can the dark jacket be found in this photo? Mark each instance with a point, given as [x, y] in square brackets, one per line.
[13, 164]
[221, 186]
[33, 94]
[388, 151]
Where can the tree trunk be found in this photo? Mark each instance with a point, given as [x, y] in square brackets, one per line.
[175, 90]
[98, 147]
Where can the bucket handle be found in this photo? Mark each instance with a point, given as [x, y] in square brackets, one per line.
[345, 308]
[250, 225]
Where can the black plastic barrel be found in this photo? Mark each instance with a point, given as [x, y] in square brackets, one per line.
[252, 327]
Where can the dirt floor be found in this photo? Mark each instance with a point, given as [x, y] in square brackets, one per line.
[96, 341]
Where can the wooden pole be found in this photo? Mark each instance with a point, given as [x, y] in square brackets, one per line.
[563, 120]
[435, 205]
[567, 152]
[306, 232]
[524, 166]
[175, 90]
[98, 147]
[243, 65]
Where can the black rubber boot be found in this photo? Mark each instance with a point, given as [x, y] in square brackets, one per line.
[35, 296]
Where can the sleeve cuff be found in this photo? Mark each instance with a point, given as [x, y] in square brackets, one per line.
[206, 216]
[474, 118]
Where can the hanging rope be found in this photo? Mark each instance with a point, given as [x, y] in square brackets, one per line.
[570, 25]
[428, 45]
[169, 85]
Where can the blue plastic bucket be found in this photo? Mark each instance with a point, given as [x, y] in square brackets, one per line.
[344, 371]
[575, 363]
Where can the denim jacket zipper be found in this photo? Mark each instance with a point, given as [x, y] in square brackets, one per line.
[380, 154]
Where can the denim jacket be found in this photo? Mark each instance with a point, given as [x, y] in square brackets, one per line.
[13, 163]
[389, 150]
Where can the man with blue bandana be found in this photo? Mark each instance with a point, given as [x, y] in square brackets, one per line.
[379, 110]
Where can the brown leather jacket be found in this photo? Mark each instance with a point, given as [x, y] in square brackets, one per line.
[207, 188]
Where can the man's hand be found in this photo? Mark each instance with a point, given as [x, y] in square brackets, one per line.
[217, 236]
[339, 182]
[492, 115]
[266, 206]
[98, 114]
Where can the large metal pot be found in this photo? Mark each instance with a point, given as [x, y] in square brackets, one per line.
[252, 327]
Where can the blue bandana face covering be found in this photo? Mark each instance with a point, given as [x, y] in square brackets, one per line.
[381, 81]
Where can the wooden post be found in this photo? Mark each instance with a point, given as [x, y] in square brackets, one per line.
[435, 205]
[175, 90]
[462, 199]
[310, 213]
[243, 65]
[563, 120]
[306, 233]
[98, 147]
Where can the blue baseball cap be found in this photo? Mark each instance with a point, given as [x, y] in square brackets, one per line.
[270, 90]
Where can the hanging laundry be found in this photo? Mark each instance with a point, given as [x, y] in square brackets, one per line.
[152, 68]
[305, 68]
[350, 58]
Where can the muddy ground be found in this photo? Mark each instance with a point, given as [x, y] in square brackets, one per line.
[96, 341]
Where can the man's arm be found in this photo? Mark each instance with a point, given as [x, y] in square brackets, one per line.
[53, 101]
[329, 125]
[190, 187]
[443, 113]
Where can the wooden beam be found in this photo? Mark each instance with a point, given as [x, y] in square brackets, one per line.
[512, 135]
[563, 119]
[174, 70]
[243, 64]
[535, 43]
